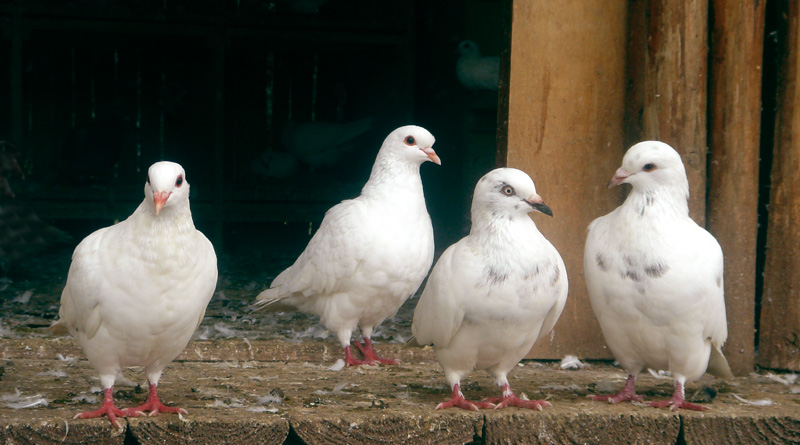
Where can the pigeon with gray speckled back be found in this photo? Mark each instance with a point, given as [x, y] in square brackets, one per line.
[495, 292]
[654, 277]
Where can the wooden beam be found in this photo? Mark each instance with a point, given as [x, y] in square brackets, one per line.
[566, 106]
[674, 85]
[779, 336]
[737, 38]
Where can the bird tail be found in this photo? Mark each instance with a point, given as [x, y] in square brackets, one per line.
[718, 364]
[272, 301]
[413, 343]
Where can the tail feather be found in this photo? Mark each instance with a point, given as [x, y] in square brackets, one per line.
[270, 300]
[718, 364]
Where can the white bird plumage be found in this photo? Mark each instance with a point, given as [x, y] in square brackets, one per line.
[495, 292]
[371, 253]
[476, 72]
[137, 290]
[655, 278]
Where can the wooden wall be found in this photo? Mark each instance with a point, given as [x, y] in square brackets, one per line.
[565, 113]
[587, 81]
[779, 341]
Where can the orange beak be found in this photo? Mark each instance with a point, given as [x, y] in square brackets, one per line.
[160, 200]
[432, 155]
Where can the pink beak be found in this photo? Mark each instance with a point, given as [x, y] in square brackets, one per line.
[160, 200]
[432, 155]
[619, 177]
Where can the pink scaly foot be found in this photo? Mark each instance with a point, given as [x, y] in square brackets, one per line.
[677, 402]
[108, 409]
[459, 401]
[153, 406]
[628, 394]
[349, 360]
[510, 399]
[371, 356]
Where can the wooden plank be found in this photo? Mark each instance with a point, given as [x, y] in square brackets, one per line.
[674, 84]
[548, 427]
[779, 336]
[734, 118]
[566, 104]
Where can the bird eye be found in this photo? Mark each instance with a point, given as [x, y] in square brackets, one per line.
[179, 181]
[649, 167]
[507, 190]
[410, 140]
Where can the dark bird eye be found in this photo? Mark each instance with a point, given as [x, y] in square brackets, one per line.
[507, 190]
[649, 167]
[179, 181]
[410, 140]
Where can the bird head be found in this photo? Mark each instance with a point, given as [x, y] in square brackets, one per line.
[468, 48]
[166, 185]
[411, 143]
[651, 164]
[507, 191]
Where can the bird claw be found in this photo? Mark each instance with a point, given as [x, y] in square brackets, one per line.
[464, 404]
[513, 400]
[681, 404]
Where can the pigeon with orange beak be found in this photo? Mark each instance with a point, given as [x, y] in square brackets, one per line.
[370, 253]
[137, 290]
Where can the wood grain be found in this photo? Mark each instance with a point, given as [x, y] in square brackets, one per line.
[737, 37]
[779, 337]
[674, 86]
[566, 104]
[547, 428]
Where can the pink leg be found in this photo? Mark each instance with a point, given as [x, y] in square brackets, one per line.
[459, 401]
[108, 409]
[510, 399]
[627, 394]
[370, 356]
[677, 402]
[153, 405]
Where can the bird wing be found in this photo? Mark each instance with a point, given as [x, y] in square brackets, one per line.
[555, 312]
[82, 297]
[441, 310]
[335, 252]
[710, 258]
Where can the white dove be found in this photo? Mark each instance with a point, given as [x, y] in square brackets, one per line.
[654, 277]
[371, 253]
[495, 292]
[137, 290]
[476, 72]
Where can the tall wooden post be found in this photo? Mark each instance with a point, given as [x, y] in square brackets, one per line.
[565, 111]
[674, 85]
[779, 341]
[737, 37]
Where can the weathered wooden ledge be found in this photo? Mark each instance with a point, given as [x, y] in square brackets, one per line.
[223, 383]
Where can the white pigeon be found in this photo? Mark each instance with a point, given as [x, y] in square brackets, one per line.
[371, 253]
[495, 292]
[654, 277]
[476, 72]
[137, 290]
